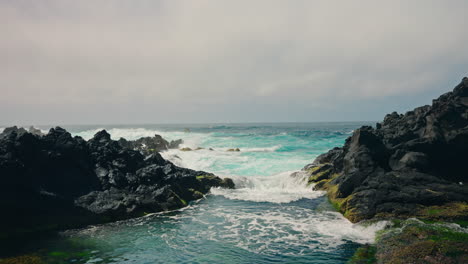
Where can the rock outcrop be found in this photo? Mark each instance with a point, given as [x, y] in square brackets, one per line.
[57, 181]
[404, 166]
[149, 145]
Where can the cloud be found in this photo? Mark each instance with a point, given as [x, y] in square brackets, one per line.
[217, 61]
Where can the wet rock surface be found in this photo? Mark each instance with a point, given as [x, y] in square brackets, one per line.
[404, 165]
[56, 181]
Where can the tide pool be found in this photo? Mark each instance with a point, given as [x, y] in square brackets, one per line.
[270, 217]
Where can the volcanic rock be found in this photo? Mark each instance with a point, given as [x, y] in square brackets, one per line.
[404, 165]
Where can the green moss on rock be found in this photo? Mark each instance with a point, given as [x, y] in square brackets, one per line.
[207, 177]
[364, 255]
[322, 175]
[185, 149]
[340, 204]
[313, 169]
[234, 150]
[25, 259]
[414, 241]
[455, 211]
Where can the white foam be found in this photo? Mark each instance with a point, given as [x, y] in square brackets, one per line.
[117, 133]
[231, 163]
[191, 140]
[280, 188]
[277, 226]
[280, 229]
[270, 149]
[290, 230]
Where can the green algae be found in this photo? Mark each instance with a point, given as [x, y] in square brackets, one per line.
[24, 259]
[313, 169]
[70, 250]
[364, 255]
[416, 241]
[58, 254]
[185, 149]
[209, 177]
[432, 239]
[319, 176]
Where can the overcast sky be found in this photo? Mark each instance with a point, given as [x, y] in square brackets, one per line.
[118, 62]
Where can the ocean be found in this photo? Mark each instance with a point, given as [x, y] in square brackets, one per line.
[270, 217]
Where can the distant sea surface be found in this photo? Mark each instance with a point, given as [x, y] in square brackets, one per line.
[270, 218]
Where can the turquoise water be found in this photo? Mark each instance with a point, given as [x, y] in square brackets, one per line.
[270, 218]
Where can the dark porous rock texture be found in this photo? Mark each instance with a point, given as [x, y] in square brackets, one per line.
[149, 145]
[57, 181]
[405, 166]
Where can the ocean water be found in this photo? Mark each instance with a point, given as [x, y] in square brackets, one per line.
[270, 217]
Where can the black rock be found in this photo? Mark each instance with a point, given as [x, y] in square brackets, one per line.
[57, 181]
[406, 163]
[149, 145]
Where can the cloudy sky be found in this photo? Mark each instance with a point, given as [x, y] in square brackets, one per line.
[147, 61]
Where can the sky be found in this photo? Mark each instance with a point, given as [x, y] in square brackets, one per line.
[142, 62]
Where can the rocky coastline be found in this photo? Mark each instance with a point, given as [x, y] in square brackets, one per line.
[55, 181]
[408, 166]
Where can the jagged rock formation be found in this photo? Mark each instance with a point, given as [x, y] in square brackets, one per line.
[405, 165]
[149, 145]
[20, 130]
[57, 181]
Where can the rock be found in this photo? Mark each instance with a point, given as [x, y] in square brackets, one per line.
[149, 145]
[408, 162]
[413, 241]
[185, 149]
[57, 181]
[175, 143]
[417, 160]
[232, 150]
[14, 131]
[227, 183]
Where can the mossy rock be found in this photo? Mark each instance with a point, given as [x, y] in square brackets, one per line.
[25, 259]
[185, 149]
[313, 169]
[322, 175]
[413, 241]
[233, 150]
[456, 212]
[176, 198]
[321, 185]
[341, 204]
[206, 177]
[364, 255]
[196, 194]
[448, 212]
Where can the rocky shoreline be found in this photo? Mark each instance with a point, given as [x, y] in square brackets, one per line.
[55, 181]
[408, 166]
